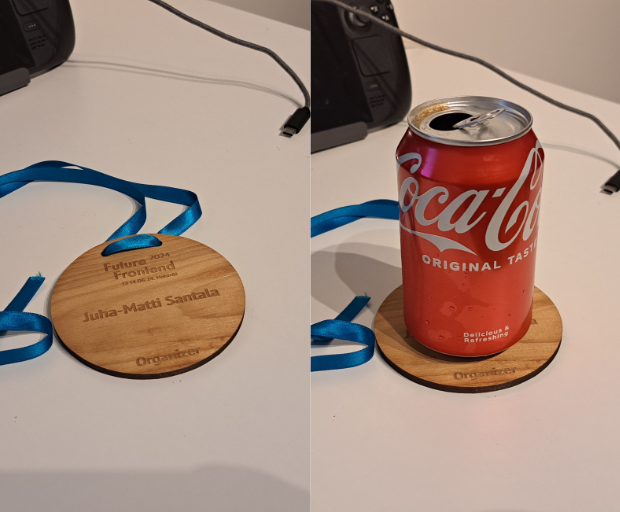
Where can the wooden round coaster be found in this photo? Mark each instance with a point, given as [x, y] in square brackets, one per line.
[148, 313]
[521, 362]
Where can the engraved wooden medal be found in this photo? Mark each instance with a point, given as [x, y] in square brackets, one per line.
[148, 313]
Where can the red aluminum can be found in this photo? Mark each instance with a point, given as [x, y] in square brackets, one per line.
[469, 201]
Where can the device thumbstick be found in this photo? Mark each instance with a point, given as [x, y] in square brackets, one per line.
[357, 21]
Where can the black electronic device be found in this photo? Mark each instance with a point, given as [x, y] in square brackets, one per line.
[35, 36]
[360, 76]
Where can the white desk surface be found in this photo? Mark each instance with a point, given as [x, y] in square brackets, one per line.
[233, 434]
[382, 442]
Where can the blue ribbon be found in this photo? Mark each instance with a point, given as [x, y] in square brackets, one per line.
[53, 170]
[342, 328]
[380, 209]
[131, 243]
[13, 318]
[322, 333]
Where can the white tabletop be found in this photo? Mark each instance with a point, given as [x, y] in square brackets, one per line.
[233, 434]
[382, 442]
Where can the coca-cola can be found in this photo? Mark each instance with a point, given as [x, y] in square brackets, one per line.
[469, 178]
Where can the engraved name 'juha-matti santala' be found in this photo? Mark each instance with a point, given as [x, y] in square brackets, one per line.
[134, 307]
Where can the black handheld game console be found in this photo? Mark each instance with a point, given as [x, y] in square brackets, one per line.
[360, 76]
[35, 36]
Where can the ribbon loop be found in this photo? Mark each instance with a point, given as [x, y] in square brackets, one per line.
[348, 314]
[13, 319]
[131, 243]
[344, 331]
[342, 328]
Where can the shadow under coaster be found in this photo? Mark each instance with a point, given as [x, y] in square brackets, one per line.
[515, 365]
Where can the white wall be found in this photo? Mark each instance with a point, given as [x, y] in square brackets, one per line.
[569, 42]
[293, 12]
[574, 43]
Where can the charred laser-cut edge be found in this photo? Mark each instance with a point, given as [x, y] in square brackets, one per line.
[480, 389]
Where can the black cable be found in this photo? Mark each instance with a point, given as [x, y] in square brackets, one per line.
[609, 186]
[296, 122]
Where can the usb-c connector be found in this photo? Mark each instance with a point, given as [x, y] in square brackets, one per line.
[296, 122]
[613, 184]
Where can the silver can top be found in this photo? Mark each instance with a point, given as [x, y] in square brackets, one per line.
[470, 121]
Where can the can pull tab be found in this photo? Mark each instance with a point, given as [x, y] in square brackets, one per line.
[479, 120]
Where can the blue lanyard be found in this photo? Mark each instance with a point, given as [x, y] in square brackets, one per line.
[13, 318]
[342, 327]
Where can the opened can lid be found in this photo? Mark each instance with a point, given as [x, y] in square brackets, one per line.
[470, 121]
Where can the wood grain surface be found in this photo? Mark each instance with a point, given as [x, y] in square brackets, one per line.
[148, 313]
[522, 361]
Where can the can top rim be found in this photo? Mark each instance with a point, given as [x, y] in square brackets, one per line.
[511, 123]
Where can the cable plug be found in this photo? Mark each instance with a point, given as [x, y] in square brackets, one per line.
[613, 184]
[296, 122]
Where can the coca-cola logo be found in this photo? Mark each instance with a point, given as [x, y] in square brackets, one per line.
[410, 197]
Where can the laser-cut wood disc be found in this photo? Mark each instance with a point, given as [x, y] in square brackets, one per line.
[520, 362]
[148, 313]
